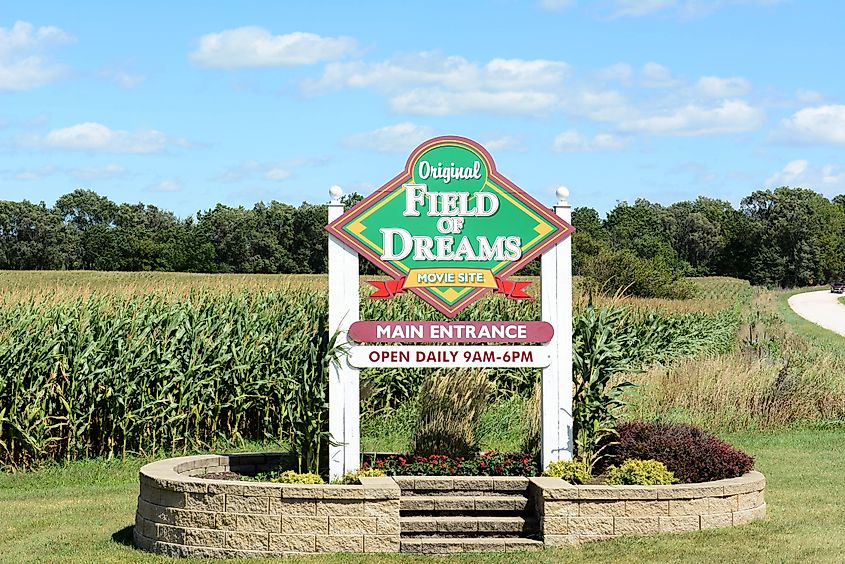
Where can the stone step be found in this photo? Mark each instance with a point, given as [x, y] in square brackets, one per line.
[463, 503]
[462, 524]
[441, 545]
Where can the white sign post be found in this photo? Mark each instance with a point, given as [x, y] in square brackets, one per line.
[344, 386]
[556, 440]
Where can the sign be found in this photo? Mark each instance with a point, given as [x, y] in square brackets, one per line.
[450, 228]
[451, 332]
[387, 356]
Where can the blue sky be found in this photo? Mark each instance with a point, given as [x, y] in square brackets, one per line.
[187, 104]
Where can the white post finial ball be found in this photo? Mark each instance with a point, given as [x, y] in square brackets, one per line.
[335, 192]
[562, 195]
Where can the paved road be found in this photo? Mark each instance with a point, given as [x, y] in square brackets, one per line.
[822, 308]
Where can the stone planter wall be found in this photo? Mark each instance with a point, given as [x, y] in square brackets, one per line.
[574, 514]
[181, 514]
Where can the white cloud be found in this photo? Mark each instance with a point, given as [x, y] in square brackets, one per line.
[401, 137]
[804, 96]
[635, 8]
[434, 84]
[167, 185]
[799, 173]
[254, 46]
[275, 171]
[27, 174]
[731, 116]
[98, 173]
[572, 142]
[619, 72]
[503, 143]
[716, 87]
[96, 137]
[556, 5]
[123, 78]
[658, 76]
[821, 124]
[22, 65]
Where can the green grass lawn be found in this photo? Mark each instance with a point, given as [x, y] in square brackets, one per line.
[83, 513]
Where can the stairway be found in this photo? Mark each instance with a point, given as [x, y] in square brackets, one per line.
[441, 515]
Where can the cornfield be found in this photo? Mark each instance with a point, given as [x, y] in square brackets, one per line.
[90, 370]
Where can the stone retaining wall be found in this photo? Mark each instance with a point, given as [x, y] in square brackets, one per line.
[181, 514]
[573, 514]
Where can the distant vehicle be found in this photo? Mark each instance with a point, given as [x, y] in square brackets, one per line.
[838, 287]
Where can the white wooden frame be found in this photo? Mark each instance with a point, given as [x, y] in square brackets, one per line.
[344, 379]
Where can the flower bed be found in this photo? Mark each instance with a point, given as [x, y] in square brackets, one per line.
[489, 463]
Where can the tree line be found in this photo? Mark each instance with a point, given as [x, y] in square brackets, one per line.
[784, 237]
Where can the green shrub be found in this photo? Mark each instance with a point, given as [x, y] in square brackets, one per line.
[355, 476]
[640, 473]
[449, 408]
[623, 271]
[291, 477]
[573, 471]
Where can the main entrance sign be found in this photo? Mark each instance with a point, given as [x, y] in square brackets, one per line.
[450, 228]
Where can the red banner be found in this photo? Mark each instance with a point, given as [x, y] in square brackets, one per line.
[386, 289]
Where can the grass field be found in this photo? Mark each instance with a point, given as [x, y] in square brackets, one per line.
[82, 513]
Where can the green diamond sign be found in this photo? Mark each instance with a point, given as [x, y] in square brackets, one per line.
[450, 227]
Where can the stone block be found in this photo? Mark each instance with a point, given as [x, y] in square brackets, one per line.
[436, 483]
[264, 490]
[746, 516]
[205, 502]
[382, 508]
[560, 540]
[419, 524]
[590, 525]
[248, 541]
[381, 543]
[646, 507]
[559, 507]
[500, 503]
[225, 521]
[555, 526]
[404, 482]
[352, 525]
[415, 503]
[727, 504]
[293, 507]
[169, 533]
[472, 483]
[716, 520]
[597, 507]
[297, 491]
[564, 493]
[457, 525]
[343, 492]
[689, 506]
[388, 525]
[679, 524]
[225, 487]
[340, 507]
[749, 482]
[454, 503]
[510, 484]
[302, 525]
[205, 537]
[636, 525]
[259, 523]
[521, 545]
[483, 545]
[750, 500]
[293, 543]
[340, 543]
[381, 493]
[690, 491]
[247, 504]
[193, 519]
[617, 492]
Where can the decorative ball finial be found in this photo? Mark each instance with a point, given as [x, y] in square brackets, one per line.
[335, 192]
[562, 195]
